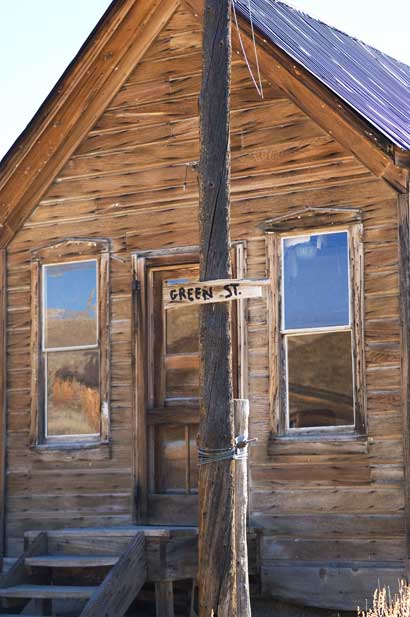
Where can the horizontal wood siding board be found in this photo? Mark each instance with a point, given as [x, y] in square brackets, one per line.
[335, 587]
[321, 499]
[321, 526]
[332, 549]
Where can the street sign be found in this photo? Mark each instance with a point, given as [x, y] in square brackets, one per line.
[183, 293]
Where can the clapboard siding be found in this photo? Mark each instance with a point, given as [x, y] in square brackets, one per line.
[133, 179]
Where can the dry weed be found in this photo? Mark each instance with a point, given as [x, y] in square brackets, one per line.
[385, 605]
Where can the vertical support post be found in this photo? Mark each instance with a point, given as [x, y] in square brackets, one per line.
[404, 270]
[3, 372]
[164, 598]
[217, 588]
[138, 360]
[241, 413]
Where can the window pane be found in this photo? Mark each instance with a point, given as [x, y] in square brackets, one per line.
[320, 380]
[70, 305]
[182, 329]
[171, 459]
[316, 280]
[73, 393]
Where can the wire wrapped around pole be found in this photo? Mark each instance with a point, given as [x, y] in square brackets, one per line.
[238, 452]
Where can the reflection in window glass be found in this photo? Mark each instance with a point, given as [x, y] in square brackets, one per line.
[70, 338]
[316, 280]
[70, 305]
[73, 393]
[320, 380]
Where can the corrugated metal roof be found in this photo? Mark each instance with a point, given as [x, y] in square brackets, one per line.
[368, 80]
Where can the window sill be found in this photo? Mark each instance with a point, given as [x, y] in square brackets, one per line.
[69, 451]
[318, 443]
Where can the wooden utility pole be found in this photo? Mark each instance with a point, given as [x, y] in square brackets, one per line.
[217, 569]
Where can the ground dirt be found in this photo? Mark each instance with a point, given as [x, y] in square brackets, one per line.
[263, 608]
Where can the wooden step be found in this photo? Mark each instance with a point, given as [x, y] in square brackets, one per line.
[48, 591]
[71, 561]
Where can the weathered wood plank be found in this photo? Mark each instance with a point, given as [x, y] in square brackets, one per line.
[241, 415]
[216, 563]
[164, 599]
[332, 525]
[3, 397]
[18, 574]
[332, 549]
[35, 353]
[185, 293]
[55, 592]
[122, 584]
[336, 587]
[404, 270]
[310, 473]
[71, 561]
[322, 499]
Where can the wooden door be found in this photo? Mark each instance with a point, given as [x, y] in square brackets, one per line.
[171, 363]
[172, 413]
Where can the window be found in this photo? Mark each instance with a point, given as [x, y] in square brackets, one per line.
[70, 393]
[70, 349]
[316, 331]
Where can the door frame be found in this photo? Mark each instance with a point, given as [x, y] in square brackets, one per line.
[141, 262]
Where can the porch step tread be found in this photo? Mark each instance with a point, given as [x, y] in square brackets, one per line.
[150, 531]
[71, 561]
[47, 591]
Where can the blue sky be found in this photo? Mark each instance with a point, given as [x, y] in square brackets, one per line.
[316, 281]
[71, 287]
[39, 38]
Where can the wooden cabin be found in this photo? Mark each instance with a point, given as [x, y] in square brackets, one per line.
[99, 386]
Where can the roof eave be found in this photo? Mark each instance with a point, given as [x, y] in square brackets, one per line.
[402, 157]
[93, 78]
[346, 125]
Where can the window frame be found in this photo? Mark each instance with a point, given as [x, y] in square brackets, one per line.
[68, 251]
[308, 224]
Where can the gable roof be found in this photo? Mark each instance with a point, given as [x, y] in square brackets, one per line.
[368, 80]
[116, 45]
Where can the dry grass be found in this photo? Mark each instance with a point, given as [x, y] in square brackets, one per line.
[78, 330]
[386, 605]
[73, 405]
